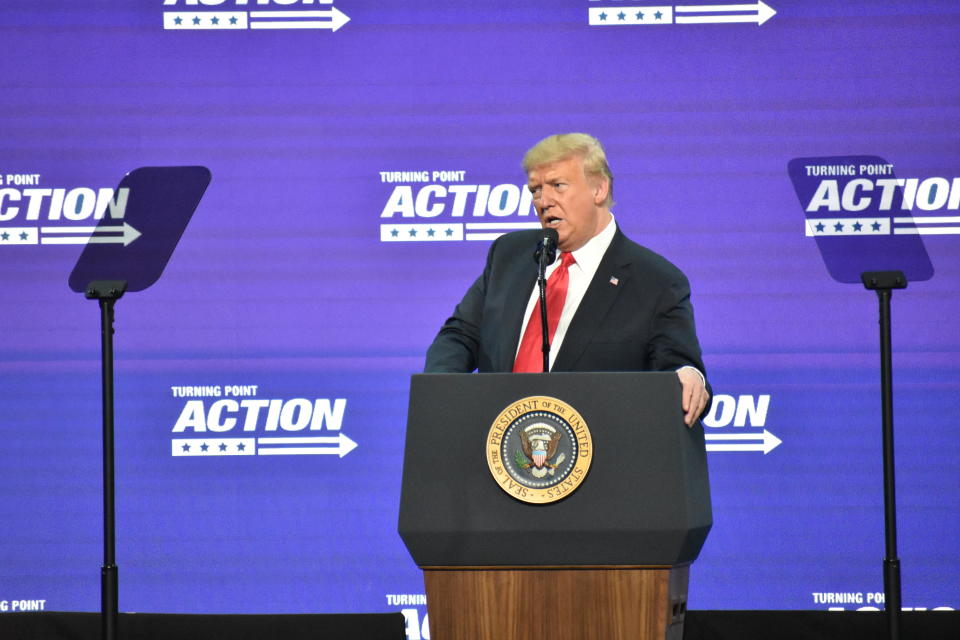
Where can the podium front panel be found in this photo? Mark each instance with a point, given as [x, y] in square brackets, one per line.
[645, 500]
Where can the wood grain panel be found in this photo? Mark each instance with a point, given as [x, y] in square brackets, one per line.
[570, 603]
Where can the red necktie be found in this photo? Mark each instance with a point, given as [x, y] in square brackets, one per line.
[530, 356]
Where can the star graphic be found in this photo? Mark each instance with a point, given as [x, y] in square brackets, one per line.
[196, 20]
[413, 233]
[178, 20]
[431, 232]
[214, 20]
[204, 447]
[819, 227]
[185, 447]
[875, 226]
[658, 15]
[857, 226]
[449, 232]
[394, 233]
[639, 15]
[838, 227]
[603, 16]
[621, 15]
[241, 446]
[23, 235]
[4, 236]
[233, 20]
[223, 446]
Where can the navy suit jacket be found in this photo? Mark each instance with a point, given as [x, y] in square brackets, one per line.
[635, 315]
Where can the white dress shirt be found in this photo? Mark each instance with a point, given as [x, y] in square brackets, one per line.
[588, 259]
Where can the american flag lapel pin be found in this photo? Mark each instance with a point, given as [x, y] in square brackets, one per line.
[614, 280]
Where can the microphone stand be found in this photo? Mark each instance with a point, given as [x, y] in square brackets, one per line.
[545, 330]
[545, 254]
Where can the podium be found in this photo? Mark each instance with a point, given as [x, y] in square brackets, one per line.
[609, 559]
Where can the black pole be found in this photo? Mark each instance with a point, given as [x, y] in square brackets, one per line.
[107, 293]
[545, 254]
[883, 282]
[545, 328]
[108, 572]
[891, 563]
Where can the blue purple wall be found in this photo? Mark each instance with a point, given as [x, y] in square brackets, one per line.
[291, 284]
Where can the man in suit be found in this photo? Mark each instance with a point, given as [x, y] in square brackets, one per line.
[624, 308]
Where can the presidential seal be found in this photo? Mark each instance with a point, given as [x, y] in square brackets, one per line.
[539, 449]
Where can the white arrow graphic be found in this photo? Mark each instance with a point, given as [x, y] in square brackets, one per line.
[762, 13]
[299, 19]
[90, 235]
[343, 446]
[770, 442]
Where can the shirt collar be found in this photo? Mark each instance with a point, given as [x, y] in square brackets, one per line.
[589, 255]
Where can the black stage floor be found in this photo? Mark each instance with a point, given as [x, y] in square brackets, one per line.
[700, 625]
[813, 625]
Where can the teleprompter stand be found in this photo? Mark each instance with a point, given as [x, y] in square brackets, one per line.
[158, 202]
[610, 560]
[884, 282]
[107, 292]
[881, 261]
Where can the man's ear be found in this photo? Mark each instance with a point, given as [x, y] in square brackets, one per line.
[601, 188]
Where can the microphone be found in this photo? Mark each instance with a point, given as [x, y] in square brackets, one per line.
[545, 254]
[546, 251]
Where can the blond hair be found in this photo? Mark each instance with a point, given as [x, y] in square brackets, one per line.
[564, 145]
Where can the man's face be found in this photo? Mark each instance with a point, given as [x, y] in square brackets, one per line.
[569, 201]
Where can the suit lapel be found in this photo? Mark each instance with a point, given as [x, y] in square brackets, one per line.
[609, 280]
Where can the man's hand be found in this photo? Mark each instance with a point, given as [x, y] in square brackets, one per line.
[693, 394]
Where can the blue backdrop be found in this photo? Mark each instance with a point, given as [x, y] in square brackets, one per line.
[363, 153]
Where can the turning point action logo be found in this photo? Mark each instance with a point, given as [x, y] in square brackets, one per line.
[194, 15]
[616, 13]
[228, 420]
[440, 205]
[41, 215]
[860, 196]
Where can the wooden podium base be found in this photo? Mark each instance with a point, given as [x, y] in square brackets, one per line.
[575, 603]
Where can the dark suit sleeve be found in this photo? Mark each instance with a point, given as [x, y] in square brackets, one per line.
[673, 341]
[457, 346]
[673, 337]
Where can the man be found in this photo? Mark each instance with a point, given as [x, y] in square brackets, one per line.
[624, 308]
